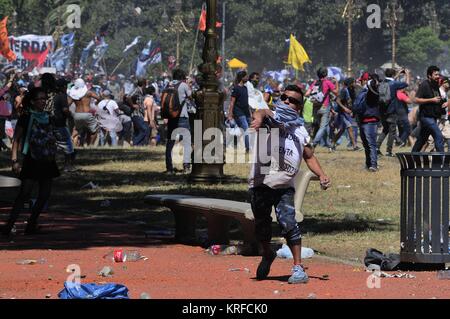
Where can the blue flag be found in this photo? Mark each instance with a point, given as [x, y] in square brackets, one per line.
[149, 55]
[61, 57]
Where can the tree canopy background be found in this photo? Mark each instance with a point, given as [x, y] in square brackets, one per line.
[256, 30]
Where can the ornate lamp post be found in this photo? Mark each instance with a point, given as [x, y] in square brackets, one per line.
[14, 14]
[351, 13]
[210, 110]
[434, 19]
[177, 25]
[394, 15]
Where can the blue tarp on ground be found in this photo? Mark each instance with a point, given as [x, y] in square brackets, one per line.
[93, 291]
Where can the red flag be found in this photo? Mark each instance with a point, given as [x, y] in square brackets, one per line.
[39, 58]
[202, 22]
[4, 42]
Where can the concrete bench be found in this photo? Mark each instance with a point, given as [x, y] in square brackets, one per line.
[9, 182]
[219, 212]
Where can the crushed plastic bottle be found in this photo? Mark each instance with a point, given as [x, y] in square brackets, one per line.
[223, 250]
[285, 252]
[307, 253]
[31, 261]
[121, 256]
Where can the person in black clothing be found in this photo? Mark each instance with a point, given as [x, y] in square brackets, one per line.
[389, 114]
[431, 109]
[239, 110]
[34, 132]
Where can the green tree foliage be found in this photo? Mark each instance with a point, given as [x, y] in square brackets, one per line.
[6, 8]
[256, 30]
[419, 48]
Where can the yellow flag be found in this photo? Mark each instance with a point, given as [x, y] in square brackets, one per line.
[297, 55]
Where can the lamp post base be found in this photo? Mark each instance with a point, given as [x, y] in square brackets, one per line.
[207, 174]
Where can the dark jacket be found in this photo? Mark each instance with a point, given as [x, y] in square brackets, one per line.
[395, 103]
[372, 109]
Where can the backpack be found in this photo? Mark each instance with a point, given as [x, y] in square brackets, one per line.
[317, 97]
[385, 95]
[42, 142]
[360, 105]
[170, 102]
[387, 263]
[125, 109]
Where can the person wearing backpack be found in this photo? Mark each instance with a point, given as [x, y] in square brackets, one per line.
[367, 113]
[389, 105]
[108, 119]
[34, 133]
[175, 110]
[320, 94]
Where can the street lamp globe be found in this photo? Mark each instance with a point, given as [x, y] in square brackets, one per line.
[400, 14]
[178, 5]
[165, 18]
[387, 14]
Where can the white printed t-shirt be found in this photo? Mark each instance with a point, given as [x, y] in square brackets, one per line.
[279, 173]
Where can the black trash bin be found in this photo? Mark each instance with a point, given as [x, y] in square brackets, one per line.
[424, 222]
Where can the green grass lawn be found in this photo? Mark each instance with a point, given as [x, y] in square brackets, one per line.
[360, 211]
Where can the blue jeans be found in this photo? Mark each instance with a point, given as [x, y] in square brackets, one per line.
[103, 138]
[429, 126]
[404, 129]
[369, 140]
[324, 123]
[244, 123]
[125, 134]
[262, 199]
[64, 140]
[389, 123]
[182, 122]
[141, 131]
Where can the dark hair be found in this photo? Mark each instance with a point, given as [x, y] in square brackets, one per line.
[349, 81]
[322, 73]
[240, 76]
[150, 90]
[179, 75]
[390, 73]
[295, 88]
[253, 75]
[141, 82]
[48, 81]
[432, 69]
[31, 95]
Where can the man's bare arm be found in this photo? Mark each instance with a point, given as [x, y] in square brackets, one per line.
[314, 165]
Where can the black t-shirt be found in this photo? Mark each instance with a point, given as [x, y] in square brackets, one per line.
[429, 91]
[60, 103]
[241, 107]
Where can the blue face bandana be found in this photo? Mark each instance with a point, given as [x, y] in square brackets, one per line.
[286, 117]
